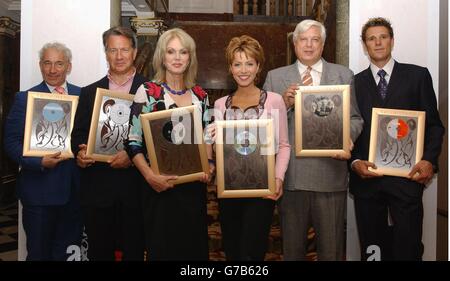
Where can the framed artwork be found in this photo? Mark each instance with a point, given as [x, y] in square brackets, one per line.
[48, 124]
[245, 158]
[396, 140]
[322, 121]
[174, 140]
[109, 124]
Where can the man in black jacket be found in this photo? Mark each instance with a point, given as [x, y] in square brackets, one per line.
[110, 192]
[389, 84]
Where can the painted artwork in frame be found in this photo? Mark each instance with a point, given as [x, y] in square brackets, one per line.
[396, 140]
[109, 124]
[322, 121]
[174, 141]
[48, 124]
[245, 158]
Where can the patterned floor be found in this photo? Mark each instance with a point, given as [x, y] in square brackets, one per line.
[8, 233]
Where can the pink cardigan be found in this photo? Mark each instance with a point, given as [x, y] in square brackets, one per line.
[283, 149]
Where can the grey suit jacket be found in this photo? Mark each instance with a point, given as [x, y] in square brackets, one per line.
[315, 174]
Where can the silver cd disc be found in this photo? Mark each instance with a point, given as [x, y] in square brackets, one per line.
[245, 143]
[53, 112]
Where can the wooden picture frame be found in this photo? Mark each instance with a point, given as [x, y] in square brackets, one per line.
[245, 158]
[322, 121]
[174, 141]
[396, 140]
[48, 124]
[109, 124]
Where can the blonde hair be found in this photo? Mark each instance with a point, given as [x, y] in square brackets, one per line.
[187, 42]
[248, 45]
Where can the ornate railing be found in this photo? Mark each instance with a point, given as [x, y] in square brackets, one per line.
[280, 7]
[273, 7]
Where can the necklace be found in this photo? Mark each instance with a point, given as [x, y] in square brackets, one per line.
[179, 93]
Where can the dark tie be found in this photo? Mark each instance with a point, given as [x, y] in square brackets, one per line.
[382, 85]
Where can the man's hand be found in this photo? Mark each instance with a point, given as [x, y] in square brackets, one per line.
[422, 172]
[82, 160]
[160, 183]
[289, 95]
[278, 190]
[361, 167]
[51, 160]
[120, 160]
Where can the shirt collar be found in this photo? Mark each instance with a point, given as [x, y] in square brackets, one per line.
[52, 88]
[129, 77]
[318, 67]
[388, 68]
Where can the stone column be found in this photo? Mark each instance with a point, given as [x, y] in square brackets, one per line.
[116, 12]
[342, 30]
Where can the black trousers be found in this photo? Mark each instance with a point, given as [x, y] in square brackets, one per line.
[111, 228]
[245, 224]
[175, 223]
[402, 240]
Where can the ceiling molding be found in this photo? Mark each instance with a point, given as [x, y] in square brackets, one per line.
[129, 7]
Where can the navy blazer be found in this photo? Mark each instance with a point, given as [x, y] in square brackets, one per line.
[36, 185]
[411, 88]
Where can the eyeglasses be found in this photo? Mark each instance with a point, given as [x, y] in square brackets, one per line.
[114, 51]
[58, 64]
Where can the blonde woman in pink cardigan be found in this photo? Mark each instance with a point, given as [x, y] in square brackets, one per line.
[245, 222]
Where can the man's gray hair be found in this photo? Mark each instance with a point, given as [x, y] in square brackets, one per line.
[57, 46]
[304, 25]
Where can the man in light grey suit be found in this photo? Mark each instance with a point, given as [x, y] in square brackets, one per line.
[315, 189]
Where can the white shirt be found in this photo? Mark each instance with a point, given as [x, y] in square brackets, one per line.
[388, 68]
[316, 72]
[52, 88]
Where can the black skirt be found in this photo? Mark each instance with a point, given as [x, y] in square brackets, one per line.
[175, 222]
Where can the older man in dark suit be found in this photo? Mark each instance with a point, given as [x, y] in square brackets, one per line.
[110, 192]
[390, 84]
[48, 187]
[315, 189]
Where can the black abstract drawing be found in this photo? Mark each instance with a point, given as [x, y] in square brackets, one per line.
[322, 121]
[396, 142]
[51, 123]
[245, 165]
[113, 126]
[176, 149]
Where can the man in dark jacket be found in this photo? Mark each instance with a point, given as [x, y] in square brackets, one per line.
[110, 194]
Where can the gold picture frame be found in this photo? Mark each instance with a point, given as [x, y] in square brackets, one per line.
[245, 158]
[322, 121]
[48, 124]
[396, 140]
[174, 141]
[109, 124]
